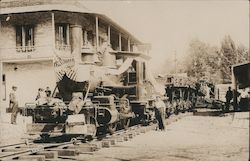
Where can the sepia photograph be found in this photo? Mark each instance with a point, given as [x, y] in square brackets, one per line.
[124, 80]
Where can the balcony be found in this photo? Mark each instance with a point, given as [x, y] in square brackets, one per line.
[27, 53]
[62, 47]
[25, 49]
[63, 50]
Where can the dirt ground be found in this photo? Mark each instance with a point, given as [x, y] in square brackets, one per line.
[13, 133]
[195, 138]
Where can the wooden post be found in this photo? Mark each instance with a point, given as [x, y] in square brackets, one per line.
[53, 31]
[129, 45]
[67, 35]
[97, 32]
[120, 42]
[109, 35]
[23, 38]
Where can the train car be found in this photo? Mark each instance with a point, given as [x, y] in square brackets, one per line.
[181, 94]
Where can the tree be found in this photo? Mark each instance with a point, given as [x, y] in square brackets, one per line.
[196, 64]
[202, 61]
[228, 58]
[212, 63]
[242, 54]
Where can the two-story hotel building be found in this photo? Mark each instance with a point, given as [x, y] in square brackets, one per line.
[34, 32]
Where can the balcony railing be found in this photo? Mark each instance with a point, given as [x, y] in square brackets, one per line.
[63, 47]
[25, 48]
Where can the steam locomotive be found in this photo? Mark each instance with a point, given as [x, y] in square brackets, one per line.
[92, 99]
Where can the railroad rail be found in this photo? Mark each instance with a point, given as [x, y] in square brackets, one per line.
[70, 150]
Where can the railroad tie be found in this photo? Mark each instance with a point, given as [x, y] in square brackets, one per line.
[49, 154]
[82, 148]
[33, 157]
[106, 143]
[111, 140]
[66, 152]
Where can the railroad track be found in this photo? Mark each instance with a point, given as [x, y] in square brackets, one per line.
[26, 151]
[67, 150]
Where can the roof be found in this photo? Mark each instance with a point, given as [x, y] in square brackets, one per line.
[24, 6]
[21, 6]
[24, 3]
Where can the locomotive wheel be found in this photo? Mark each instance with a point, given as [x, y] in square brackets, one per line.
[112, 128]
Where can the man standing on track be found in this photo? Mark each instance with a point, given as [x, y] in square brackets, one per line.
[160, 112]
[229, 97]
[13, 104]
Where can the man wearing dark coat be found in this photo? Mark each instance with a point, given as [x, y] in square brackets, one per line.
[229, 97]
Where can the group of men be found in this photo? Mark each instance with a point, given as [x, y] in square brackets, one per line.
[243, 97]
[43, 93]
[13, 97]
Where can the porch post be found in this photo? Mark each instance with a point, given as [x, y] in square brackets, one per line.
[53, 31]
[109, 34]
[97, 32]
[129, 45]
[120, 42]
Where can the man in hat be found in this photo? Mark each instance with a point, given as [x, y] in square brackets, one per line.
[229, 97]
[13, 104]
[160, 112]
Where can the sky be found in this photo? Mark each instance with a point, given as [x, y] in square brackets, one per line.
[170, 25]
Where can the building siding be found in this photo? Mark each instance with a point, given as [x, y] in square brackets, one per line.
[42, 40]
[28, 78]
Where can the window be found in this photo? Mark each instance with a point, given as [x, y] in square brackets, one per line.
[144, 70]
[4, 87]
[25, 38]
[62, 35]
[88, 38]
[124, 44]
